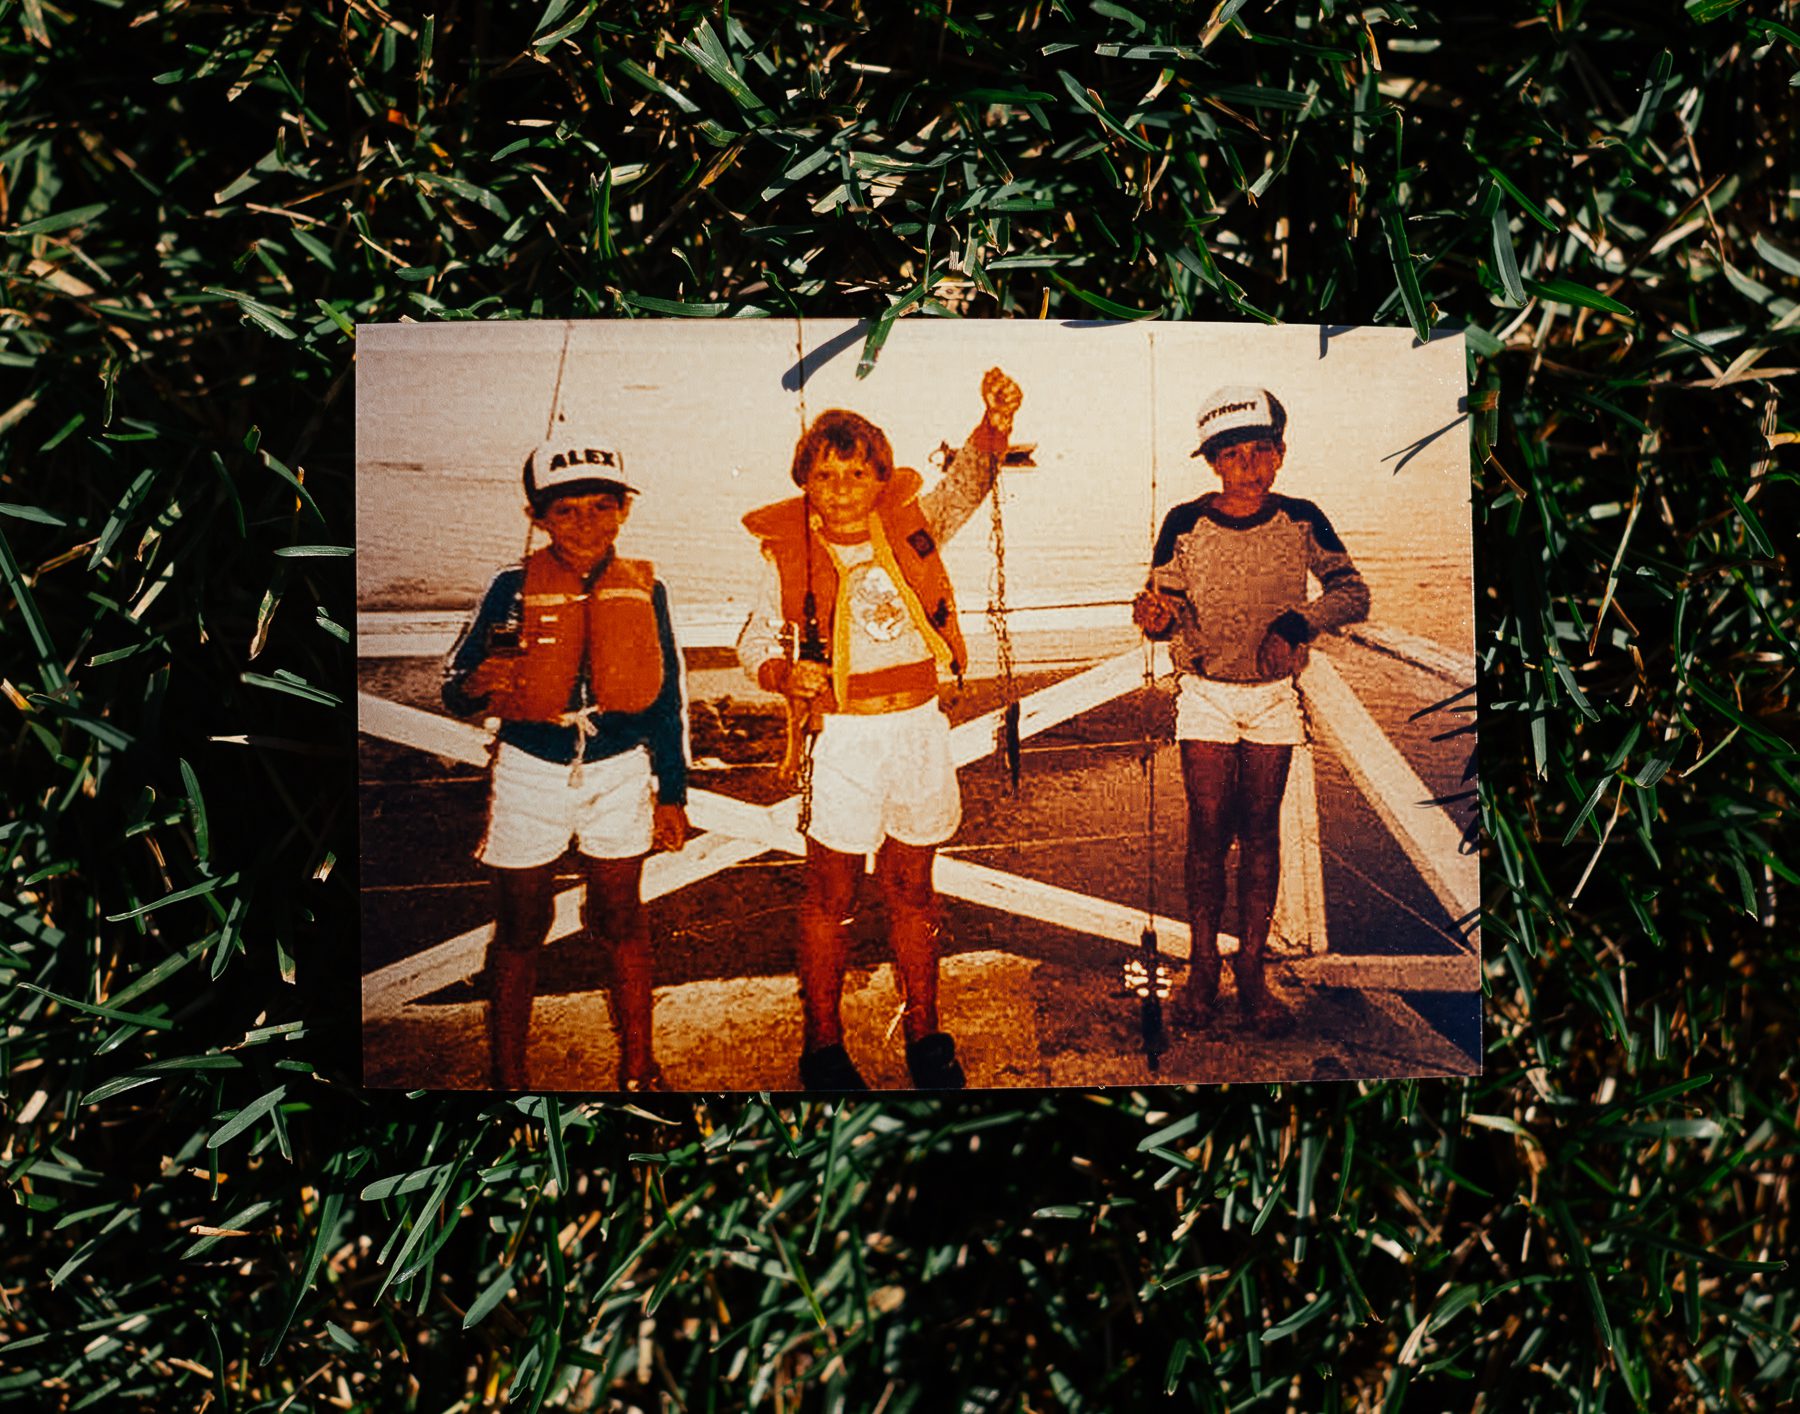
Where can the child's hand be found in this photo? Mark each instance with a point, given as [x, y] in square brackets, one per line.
[808, 680]
[1002, 397]
[669, 828]
[1153, 613]
[1275, 657]
[491, 676]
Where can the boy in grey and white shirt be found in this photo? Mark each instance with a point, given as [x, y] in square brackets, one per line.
[1228, 588]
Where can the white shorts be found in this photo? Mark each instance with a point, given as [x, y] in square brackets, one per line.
[1263, 713]
[534, 809]
[888, 775]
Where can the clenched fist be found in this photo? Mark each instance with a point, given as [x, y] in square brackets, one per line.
[806, 680]
[491, 675]
[1275, 657]
[1002, 397]
[1154, 614]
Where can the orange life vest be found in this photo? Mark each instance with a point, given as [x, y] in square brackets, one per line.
[904, 545]
[612, 618]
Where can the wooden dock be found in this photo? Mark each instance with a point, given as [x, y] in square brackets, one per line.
[1356, 1007]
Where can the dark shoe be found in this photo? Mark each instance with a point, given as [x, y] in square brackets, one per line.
[932, 1061]
[830, 1068]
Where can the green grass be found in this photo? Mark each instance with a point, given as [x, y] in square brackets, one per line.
[202, 1208]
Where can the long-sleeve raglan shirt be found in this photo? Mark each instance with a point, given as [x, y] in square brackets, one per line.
[661, 727]
[891, 638]
[1239, 577]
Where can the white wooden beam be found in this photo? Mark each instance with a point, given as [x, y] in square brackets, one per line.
[1457, 669]
[388, 989]
[1300, 896]
[1425, 831]
[1380, 972]
[1053, 705]
[426, 731]
[1047, 903]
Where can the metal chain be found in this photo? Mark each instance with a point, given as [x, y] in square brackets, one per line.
[997, 615]
[803, 778]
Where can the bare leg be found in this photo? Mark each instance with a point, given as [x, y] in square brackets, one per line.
[1262, 779]
[521, 919]
[1209, 772]
[614, 913]
[912, 908]
[824, 944]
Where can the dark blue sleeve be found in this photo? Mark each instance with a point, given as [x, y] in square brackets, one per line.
[471, 647]
[666, 718]
[1176, 524]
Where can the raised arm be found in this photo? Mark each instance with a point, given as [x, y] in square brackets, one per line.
[948, 505]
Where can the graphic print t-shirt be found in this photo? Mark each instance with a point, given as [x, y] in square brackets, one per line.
[881, 629]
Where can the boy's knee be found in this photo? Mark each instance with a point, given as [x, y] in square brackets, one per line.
[1262, 831]
[829, 899]
[910, 895]
[520, 930]
[1209, 834]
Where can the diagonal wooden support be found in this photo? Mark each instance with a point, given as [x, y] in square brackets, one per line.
[738, 831]
[388, 989]
[1051, 706]
[1428, 835]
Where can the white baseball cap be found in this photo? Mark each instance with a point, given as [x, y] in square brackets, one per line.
[1242, 413]
[568, 462]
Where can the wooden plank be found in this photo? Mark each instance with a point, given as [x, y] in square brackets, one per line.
[1439, 1056]
[1426, 832]
[771, 826]
[1080, 913]
[1053, 705]
[1437, 972]
[1427, 655]
[426, 731]
[388, 989]
[705, 855]
[1300, 897]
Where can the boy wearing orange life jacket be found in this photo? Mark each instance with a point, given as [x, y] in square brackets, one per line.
[574, 652]
[857, 617]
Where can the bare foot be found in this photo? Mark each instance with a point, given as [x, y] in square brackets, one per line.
[647, 1082]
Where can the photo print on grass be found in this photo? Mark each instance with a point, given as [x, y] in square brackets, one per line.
[732, 721]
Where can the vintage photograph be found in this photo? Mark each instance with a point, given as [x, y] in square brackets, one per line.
[781, 705]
